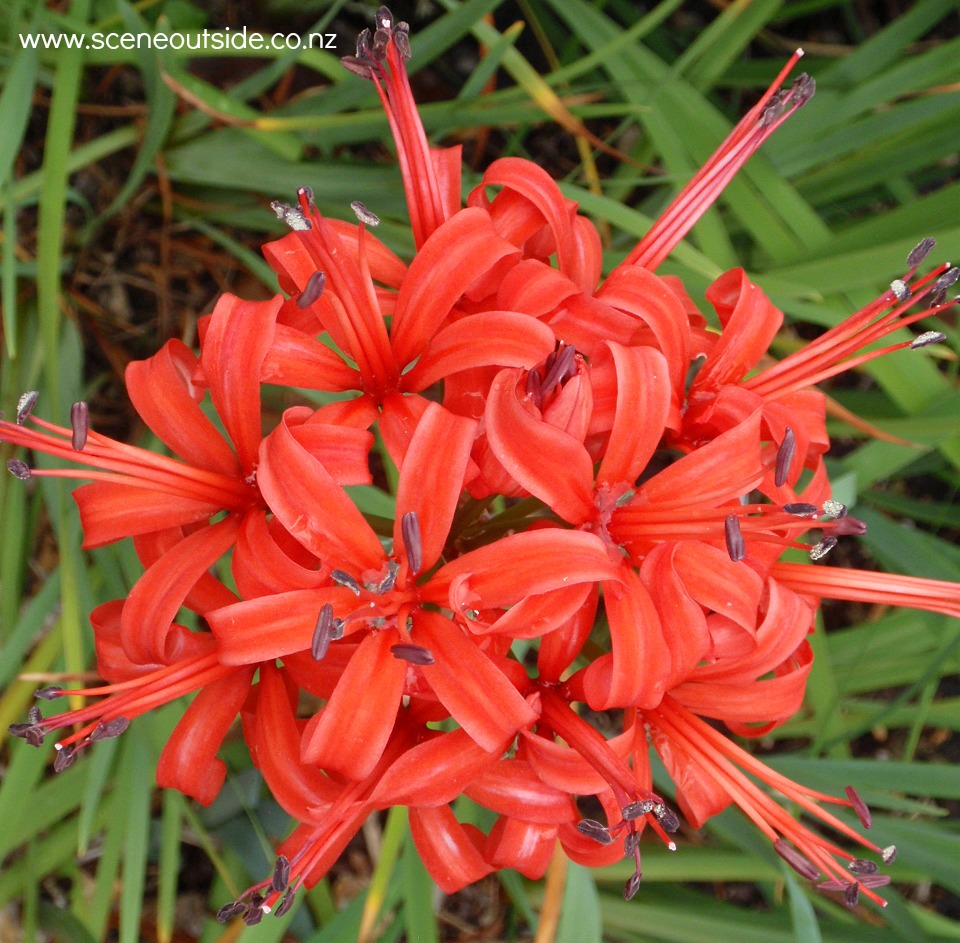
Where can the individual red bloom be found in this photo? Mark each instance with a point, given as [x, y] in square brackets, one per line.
[378, 602]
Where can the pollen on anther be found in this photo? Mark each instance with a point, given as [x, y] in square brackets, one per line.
[291, 215]
[820, 550]
[364, 215]
[25, 405]
[900, 289]
[928, 338]
[19, 469]
[833, 508]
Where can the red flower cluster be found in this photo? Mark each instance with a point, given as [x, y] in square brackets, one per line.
[562, 482]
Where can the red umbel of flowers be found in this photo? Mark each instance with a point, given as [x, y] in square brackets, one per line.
[664, 504]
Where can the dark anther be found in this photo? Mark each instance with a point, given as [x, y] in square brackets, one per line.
[80, 424]
[636, 810]
[345, 579]
[34, 715]
[64, 758]
[947, 280]
[859, 806]
[889, 854]
[364, 215]
[363, 44]
[774, 109]
[412, 542]
[632, 886]
[736, 548]
[285, 904]
[19, 469]
[920, 251]
[850, 526]
[228, 911]
[802, 865]
[381, 39]
[415, 654]
[323, 633]
[667, 818]
[390, 580]
[819, 550]
[401, 39]
[49, 694]
[851, 894]
[803, 89]
[595, 830]
[313, 289]
[927, 338]
[281, 874]
[800, 509]
[861, 866]
[631, 843]
[383, 18]
[20, 730]
[901, 290]
[560, 368]
[254, 914]
[357, 67]
[785, 457]
[109, 729]
[25, 405]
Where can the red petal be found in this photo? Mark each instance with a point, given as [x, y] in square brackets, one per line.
[157, 596]
[164, 394]
[511, 787]
[450, 851]
[546, 461]
[312, 506]
[471, 687]
[189, 760]
[456, 255]
[350, 732]
[431, 479]
[109, 511]
[526, 847]
[434, 773]
[643, 402]
[721, 470]
[273, 626]
[237, 340]
[494, 338]
[750, 322]
[522, 565]
[274, 742]
[296, 359]
[637, 670]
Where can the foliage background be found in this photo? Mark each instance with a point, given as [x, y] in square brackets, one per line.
[134, 188]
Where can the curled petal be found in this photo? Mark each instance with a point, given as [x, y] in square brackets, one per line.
[463, 249]
[546, 461]
[166, 396]
[526, 847]
[189, 762]
[153, 603]
[493, 338]
[511, 787]
[473, 689]
[236, 342]
[313, 508]
[522, 565]
[349, 734]
[431, 479]
[451, 851]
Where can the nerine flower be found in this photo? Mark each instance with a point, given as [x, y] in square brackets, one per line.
[662, 502]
